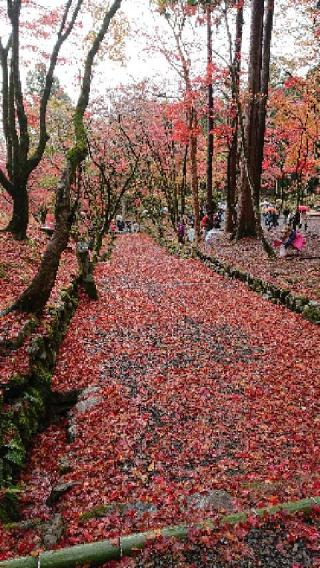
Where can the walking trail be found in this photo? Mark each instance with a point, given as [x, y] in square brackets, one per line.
[199, 396]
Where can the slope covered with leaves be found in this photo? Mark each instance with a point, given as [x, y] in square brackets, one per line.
[298, 273]
[19, 262]
[200, 397]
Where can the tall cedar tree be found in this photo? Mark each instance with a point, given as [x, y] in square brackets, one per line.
[232, 160]
[210, 119]
[258, 81]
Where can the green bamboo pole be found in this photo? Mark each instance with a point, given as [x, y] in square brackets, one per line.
[100, 552]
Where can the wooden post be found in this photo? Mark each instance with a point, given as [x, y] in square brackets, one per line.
[86, 278]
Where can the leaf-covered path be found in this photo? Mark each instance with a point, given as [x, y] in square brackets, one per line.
[193, 384]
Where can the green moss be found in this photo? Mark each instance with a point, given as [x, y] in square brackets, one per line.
[9, 506]
[28, 420]
[41, 375]
[15, 451]
[102, 511]
[3, 270]
[36, 398]
[79, 151]
[28, 397]
[95, 512]
[312, 313]
[17, 381]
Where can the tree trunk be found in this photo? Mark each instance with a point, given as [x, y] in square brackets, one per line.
[210, 123]
[34, 299]
[86, 278]
[232, 164]
[20, 216]
[14, 116]
[246, 226]
[232, 167]
[183, 187]
[194, 182]
[37, 294]
[250, 189]
[265, 76]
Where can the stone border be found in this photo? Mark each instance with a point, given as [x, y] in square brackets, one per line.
[27, 398]
[309, 309]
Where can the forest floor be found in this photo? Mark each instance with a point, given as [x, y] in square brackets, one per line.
[197, 397]
[299, 273]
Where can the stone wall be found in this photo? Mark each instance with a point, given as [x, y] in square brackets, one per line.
[26, 401]
[310, 309]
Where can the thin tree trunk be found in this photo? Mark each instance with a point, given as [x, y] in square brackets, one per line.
[194, 176]
[210, 123]
[233, 157]
[184, 181]
[193, 125]
[232, 170]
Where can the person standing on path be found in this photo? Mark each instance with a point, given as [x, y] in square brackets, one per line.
[181, 231]
[286, 212]
[296, 219]
[303, 219]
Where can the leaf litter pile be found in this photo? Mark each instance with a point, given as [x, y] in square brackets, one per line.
[197, 397]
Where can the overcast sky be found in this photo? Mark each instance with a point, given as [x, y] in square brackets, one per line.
[140, 63]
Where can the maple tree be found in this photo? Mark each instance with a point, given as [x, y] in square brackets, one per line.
[208, 6]
[36, 295]
[167, 145]
[115, 156]
[176, 12]
[196, 394]
[21, 157]
[291, 155]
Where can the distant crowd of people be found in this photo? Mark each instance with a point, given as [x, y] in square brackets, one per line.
[295, 219]
[119, 225]
[186, 231]
[290, 237]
